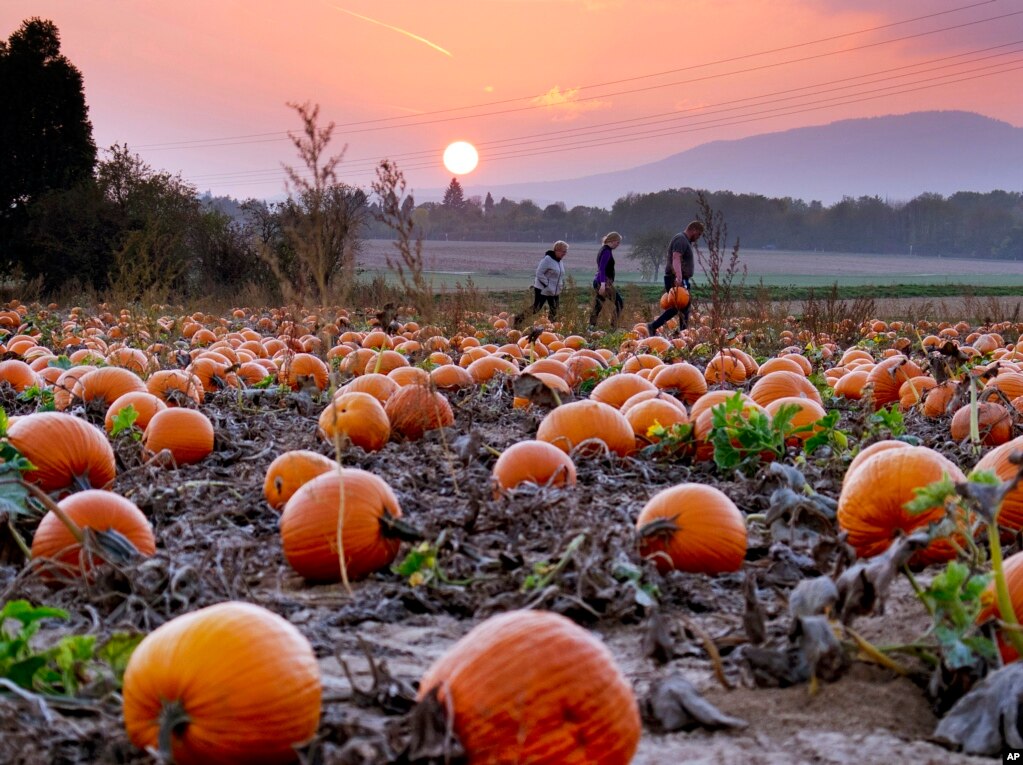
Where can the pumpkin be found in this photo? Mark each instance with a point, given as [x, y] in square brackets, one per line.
[781, 364]
[186, 433]
[534, 687]
[993, 420]
[725, 366]
[231, 683]
[176, 387]
[145, 404]
[415, 409]
[290, 471]
[451, 377]
[808, 412]
[783, 384]
[533, 462]
[1012, 568]
[212, 373]
[676, 297]
[354, 363]
[641, 362]
[851, 384]
[384, 362]
[570, 425]
[617, 389]
[997, 461]
[381, 387]
[584, 368]
[101, 387]
[868, 452]
[692, 527]
[914, 390]
[486, 368]
[407, 375]
[888, 376]
[310, 528]
[17, 374]
[682, 378]
[68, 453]
[871, 506]
[652, 412]
[97, 510]
[357, 418]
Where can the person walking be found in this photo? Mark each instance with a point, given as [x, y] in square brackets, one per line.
[604, 281]
[677, 273]
[550, 278]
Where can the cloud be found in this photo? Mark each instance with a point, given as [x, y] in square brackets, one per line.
[399, 30]
[565, 105]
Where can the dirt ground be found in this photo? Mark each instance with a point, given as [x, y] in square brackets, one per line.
[218, 540]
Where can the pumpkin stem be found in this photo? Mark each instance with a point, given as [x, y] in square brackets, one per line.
[659, 527]
[173, 722]
[393, 527]
[81, 483]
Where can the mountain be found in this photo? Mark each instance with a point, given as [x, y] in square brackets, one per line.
[894, 157]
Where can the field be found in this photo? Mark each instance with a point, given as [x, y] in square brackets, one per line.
[572, 550]
[510, 265]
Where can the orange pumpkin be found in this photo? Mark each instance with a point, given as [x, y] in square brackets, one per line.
[17, 374]
[868, 452]
[533, 687]
[358, 418]
[415, 409]
[808, 412]
[486, 368]
[683, 379]
[1012, 568]
[101, 387]
[301, 370]
[310, 530]
[888, 376]
[938, 400]
[997, 461]
[783, 384]
[186, 433]
[384, 362]
[993, 420]
[68, 453]
[176, 387]
[97, 510]
[451, 377]
[572, 424]
[533, 462]
[914, 390]
[381, 387]
[144, 403]
[407, 375]
[654, 411]
[619, 388]
[290, 471]
[871, 506]
[676, 297]
[781, 364]
[725, 366]
[231, 683]
[692, 527]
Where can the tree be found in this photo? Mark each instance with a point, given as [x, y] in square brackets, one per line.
[44, 126]
[454, 197]
[651, 251]
[488, 205]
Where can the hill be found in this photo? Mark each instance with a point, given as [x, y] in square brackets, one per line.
[895, 157]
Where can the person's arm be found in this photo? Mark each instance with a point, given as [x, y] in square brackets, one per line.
[688, 262]
[550, 274]
[676, 266]
[602, 261]
[541, 270]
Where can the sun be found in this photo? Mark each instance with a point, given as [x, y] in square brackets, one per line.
[461, 157]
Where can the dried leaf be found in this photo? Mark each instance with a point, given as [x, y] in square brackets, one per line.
[753, 617]
[987, 719]
[674, 704]
[862, 587]
[535, 390]
[820, 647]
[658, 640]
[813, 597]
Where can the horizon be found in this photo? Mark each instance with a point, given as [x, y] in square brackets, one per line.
[588, 92]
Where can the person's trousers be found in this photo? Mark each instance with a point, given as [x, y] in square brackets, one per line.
[539, 299]
[598, 305]
[671, 313]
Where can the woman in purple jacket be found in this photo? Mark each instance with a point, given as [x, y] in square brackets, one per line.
[604, 281]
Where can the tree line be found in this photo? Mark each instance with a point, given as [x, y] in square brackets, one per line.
[71, 218]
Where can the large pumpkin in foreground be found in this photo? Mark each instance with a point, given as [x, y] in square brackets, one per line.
[572, 424]
[692, 527]
[231, 683]
[534, 687]
[871, 507]
[310, 530]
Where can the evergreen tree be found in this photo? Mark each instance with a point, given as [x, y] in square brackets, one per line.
[488, 205]
[454, 197]
[44, 125]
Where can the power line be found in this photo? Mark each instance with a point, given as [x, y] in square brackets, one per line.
[665, 117]
[282, 135]
[740, 119]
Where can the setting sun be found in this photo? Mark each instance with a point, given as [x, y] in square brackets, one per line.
[461, 157]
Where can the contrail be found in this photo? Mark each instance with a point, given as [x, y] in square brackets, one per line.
[399, 30]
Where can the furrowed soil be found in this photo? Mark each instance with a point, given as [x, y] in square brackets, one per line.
[218, 540]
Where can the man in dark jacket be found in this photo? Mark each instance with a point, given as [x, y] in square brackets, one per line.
[677, 273]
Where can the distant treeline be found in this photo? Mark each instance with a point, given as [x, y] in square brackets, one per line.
[970, 224]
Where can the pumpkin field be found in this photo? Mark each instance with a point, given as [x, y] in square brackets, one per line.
[345, 535]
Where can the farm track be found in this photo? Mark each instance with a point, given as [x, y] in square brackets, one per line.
[218, 540]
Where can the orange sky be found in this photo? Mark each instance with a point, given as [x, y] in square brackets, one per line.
[158, 72]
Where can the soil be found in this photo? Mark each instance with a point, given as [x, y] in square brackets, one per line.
[218, 540]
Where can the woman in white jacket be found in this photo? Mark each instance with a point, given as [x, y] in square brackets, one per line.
[550, 278]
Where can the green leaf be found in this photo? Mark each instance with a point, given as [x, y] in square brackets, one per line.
[955, 652]
[124, 420]
[933, 495]
[988, 477]
[61, 362]
[23, 673]
[266, 382]
[118, 650]
[24, 612]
